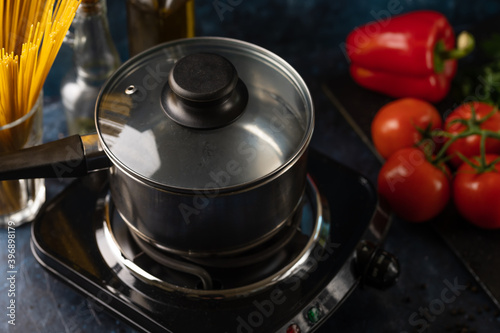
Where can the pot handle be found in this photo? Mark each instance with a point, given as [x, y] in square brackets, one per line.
[74, 156]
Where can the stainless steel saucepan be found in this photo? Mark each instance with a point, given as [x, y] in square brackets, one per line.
[205, 140]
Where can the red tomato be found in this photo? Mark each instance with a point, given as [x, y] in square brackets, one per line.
[415, 189]
[469, 146]
[477, 196]
[394, 125]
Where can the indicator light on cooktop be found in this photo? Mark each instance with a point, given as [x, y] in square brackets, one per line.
[313, 314]
[294, 328]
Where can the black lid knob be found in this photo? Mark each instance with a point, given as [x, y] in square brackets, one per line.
[204, 91]
[203, 77]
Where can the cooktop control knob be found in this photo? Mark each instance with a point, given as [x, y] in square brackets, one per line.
[377, 267]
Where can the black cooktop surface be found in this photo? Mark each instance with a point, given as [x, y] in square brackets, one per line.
[67, 240]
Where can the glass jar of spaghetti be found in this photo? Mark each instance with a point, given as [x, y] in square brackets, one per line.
[30, 37]
[20, 200]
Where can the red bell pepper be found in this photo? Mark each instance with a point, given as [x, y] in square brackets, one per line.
[408, 55]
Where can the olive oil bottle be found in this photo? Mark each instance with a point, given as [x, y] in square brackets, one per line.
[152, 22]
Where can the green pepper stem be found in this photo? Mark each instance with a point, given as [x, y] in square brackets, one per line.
[465, 45]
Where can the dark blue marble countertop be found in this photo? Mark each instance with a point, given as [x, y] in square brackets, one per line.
[308, 34]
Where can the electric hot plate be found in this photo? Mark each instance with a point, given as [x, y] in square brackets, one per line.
[291, 283]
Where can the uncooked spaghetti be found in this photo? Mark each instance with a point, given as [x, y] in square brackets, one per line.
[31, 33]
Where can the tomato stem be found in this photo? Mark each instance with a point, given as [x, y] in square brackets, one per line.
[472, 127]
[481, 166]
[482, 149]
[466, 160]
[453, 137]
[495, 161]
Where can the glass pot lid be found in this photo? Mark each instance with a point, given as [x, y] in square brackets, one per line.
[204, 113]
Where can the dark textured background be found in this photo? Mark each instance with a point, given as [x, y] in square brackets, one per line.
[308, 34]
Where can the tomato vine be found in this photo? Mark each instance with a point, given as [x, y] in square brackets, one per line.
[469, 145]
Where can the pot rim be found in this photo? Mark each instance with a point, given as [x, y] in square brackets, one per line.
[274, 59]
